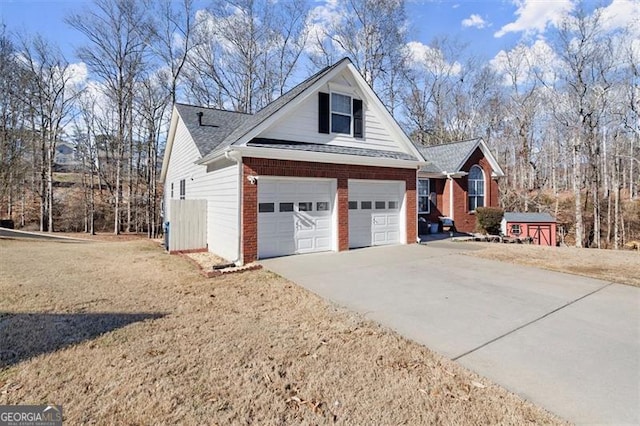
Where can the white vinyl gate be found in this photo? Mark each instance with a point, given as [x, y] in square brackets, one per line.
[187, 225]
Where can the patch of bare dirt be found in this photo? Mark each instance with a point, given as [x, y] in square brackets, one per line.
[619, 266]
[207, 260]
[126, 334]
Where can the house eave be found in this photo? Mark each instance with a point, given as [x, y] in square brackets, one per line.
[314, 157]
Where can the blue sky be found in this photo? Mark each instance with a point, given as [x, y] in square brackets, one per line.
[487, 25]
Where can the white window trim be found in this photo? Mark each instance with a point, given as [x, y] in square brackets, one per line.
[428, 196]
[331, 112]
[484, 189]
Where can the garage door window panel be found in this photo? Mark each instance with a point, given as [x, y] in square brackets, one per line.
[266, 208]
[365, 205]
[380, 205]
[286, 207]
[322, 206]
[353, 205]
[305, 207]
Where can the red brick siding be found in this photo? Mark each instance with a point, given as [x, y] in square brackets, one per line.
[341, 172]
[464, 220]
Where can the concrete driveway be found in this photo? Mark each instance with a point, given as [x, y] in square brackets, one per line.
[568, 343]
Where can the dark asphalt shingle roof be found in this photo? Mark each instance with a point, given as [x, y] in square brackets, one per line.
[329, 149]
[217, 125]
[528, 217]
[446, 157]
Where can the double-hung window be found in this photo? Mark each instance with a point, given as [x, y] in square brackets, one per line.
[424, 205]
[476, 188]
[340, 113]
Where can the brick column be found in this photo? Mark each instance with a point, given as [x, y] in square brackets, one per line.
[343, 214]
[412, 211]
[249, 216]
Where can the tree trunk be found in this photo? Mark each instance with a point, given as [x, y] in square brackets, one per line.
[577, 183]
[51, 153]
[616, 208]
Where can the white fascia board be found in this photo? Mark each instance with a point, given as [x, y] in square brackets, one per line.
[455, 175]
[169, 145]
[315, 157]
[496, 169]
[393, 126]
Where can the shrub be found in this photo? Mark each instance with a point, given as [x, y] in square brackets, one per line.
[488, 219]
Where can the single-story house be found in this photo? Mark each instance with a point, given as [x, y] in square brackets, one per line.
[458, 177]
[324, 167]
[540, 227]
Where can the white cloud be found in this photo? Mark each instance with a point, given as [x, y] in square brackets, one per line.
[474, 21]
[77, 73]
[320, 20]
[526, 63]
[426, 57]
[622, 14]
[535, 15]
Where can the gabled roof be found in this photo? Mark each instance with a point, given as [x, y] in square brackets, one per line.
[216, 125]
[447, 157]
[276, 105]
[451, 157]
[528, 217]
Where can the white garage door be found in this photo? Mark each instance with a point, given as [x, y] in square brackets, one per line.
[294, 216]
[374, 212]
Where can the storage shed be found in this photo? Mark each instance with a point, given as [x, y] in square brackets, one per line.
[540, 227]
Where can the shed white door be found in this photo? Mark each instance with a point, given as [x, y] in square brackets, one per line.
[294, 216]
[374, 212]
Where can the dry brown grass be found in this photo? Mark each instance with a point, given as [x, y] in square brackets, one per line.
[125, 334]
[609, 265]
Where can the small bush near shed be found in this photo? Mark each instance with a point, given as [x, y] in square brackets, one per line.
[488, 219]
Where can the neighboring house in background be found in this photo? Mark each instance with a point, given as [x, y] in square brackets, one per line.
[540, 227]
[65, 158]
[459, 177]
[324, 167]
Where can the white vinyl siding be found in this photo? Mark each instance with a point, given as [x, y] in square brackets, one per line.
[301, 125]
[218, 186]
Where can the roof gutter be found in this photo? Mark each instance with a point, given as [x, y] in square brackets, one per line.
[317, 157]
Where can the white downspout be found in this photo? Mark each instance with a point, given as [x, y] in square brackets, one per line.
[236, 157]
